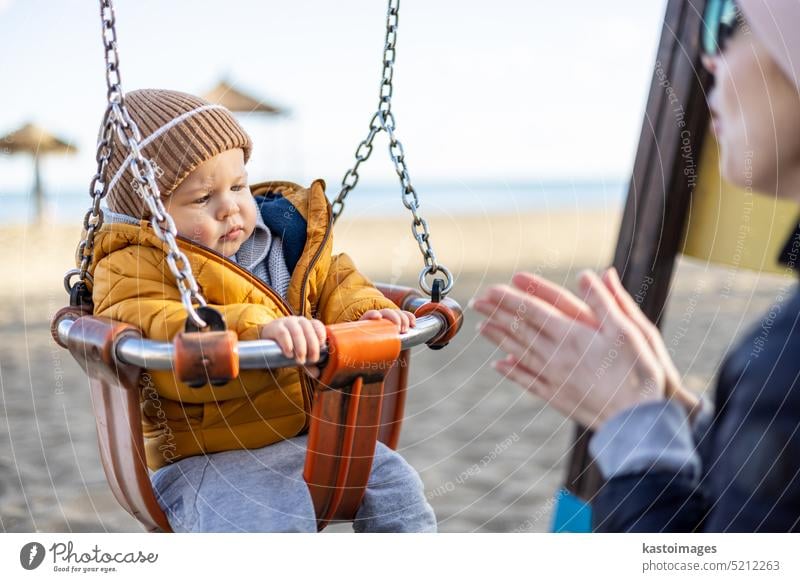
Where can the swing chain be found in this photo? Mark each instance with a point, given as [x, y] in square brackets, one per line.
[93, 219]
[364, 150]
[162, 223]
[98, 188]
[419, 226]
[118, 119]
[383, 120]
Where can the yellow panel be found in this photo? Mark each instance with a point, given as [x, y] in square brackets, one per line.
[735, 226]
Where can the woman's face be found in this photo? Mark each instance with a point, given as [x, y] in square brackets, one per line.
[756, 118]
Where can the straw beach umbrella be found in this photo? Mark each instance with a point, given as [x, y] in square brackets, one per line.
[249, 106]
[236, 100]
[33, 140]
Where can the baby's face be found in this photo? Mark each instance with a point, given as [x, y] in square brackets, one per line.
[213, 206]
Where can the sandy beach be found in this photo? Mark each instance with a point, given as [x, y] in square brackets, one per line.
[459, 413]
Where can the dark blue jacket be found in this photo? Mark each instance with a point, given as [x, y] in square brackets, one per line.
[749, 452]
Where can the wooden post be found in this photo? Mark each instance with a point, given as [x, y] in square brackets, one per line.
[38, 193]
[664, 177]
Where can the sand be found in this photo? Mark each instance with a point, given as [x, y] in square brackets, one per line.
[491, 456]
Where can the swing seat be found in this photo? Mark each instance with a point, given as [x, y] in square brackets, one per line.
[359, 398]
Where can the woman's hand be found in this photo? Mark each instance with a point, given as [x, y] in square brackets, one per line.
[299, 338]
[403, 319]
[673, 387]
[588, 360]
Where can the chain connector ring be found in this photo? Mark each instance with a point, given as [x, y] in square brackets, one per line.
[428, 289]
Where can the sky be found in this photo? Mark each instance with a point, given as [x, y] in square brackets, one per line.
[501, 91]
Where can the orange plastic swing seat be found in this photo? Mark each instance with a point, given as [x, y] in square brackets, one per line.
[359, 400]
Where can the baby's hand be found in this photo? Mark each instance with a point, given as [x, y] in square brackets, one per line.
[403, 319]
[299, 338]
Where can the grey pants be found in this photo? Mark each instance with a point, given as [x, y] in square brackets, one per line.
[263, 490]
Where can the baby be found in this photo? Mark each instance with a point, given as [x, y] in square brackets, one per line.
[230, 458]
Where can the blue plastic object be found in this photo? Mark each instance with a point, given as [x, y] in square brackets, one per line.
[571, 514]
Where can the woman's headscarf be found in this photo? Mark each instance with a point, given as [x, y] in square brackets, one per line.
[776, 24]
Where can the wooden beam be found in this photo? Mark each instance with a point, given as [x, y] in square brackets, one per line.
[660, 190]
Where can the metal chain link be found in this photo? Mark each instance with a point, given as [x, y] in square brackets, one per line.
[364, 149]
[117, 118]
[419, 226]
[383, 120]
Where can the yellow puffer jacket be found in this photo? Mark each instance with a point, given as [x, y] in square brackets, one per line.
[133, 284]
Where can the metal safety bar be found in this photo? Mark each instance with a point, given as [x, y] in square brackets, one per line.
[255, 354]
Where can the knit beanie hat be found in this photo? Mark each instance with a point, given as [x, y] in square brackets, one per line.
[776, 23]
[179, 132]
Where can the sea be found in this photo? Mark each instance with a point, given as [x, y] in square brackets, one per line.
[370, 201]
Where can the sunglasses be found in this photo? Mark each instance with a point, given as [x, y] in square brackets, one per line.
[720, 20]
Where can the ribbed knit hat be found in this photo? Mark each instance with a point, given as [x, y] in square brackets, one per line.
[179, 132]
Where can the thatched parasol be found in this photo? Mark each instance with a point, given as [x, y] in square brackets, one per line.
[235, 100]
[33, 140]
